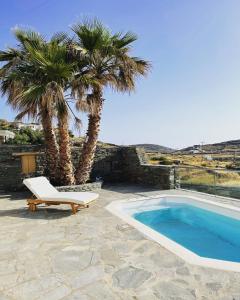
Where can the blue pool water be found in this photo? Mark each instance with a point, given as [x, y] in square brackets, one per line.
[206, 233]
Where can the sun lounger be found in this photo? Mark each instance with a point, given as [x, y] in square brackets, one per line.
[47, 194]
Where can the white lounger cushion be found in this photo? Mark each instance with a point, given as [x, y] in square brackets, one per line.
[43, 190]
[77, 197]
[40, 186]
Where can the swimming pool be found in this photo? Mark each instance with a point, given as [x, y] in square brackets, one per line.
[200, 231]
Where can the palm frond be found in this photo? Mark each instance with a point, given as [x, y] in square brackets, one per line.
[60, 38]
[91, 34]
[121, 41]
[30, 112]
[10, 54]
[33, 38]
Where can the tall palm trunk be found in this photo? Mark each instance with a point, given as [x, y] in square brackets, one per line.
[89, 146]
[65, 165]
[52, 152]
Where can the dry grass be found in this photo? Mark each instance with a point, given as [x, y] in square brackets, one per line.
[201, 176]
[218, 160]
[204, 177]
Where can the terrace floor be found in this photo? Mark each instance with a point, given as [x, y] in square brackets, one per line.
[54, 255]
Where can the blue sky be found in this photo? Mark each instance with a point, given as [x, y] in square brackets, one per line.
[192, 94]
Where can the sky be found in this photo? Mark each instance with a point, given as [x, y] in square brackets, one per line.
[191, 95]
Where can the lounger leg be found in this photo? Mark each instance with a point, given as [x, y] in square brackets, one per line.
[82, 206]
[73, 208]
[32, 207]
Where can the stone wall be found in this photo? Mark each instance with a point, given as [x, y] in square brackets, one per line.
[90, 186]
[111, 164]
[11, 176]
[137, 170]
[107, 164]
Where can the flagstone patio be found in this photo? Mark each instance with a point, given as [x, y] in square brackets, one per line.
[54, 255]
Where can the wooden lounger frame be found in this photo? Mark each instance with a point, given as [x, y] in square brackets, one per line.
[32, 204]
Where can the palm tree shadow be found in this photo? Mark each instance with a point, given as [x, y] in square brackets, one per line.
[126, 188]
[41, 213]
[45, 213]
[15, 196]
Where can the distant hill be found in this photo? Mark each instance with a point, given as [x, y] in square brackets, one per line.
[154, 148]
[232, 145]
[78, 141]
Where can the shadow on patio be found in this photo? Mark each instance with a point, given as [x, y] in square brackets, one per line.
[41, 213]
[126, 188]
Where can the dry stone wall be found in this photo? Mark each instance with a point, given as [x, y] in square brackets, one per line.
[112, 164]
[138, 171]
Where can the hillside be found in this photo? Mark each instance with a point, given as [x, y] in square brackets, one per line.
[227, 146]
[78, 141]
[154, 148]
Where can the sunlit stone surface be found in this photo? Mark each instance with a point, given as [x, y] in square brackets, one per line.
[54, 255]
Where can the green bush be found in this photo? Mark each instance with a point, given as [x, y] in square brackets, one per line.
[5, 125]
[155, 158]
[165, 162]
[177, 161]
[162, 160]
[27, 136]
[230, 166]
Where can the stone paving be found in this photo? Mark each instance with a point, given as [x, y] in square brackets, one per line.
[54, 255]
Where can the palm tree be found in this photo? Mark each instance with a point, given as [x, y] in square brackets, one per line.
[12, 83]
[104, 61]
[36, 85]
[57, 71]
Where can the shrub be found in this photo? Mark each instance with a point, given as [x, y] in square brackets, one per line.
[230, 166]
[177, 161]
[164, 161]
[5, 125]
[27, 136]
[155, 158]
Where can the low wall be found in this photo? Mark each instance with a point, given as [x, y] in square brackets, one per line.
[137, 170]
[111, 164]
[91, 186]
[107, 164]
[11, 176]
